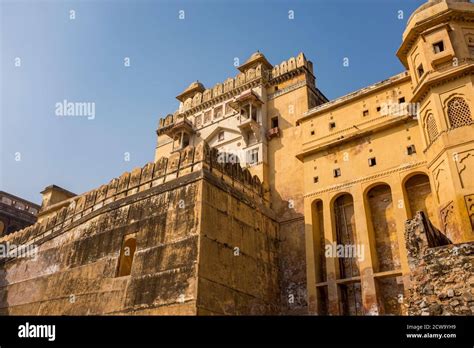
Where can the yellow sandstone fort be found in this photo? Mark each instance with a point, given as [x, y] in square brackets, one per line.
[265, 197]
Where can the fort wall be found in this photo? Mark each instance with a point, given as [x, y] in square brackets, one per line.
[162, 239]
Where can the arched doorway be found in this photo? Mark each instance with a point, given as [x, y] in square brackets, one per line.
[127, 253]
[346, 234]
[384, 229]
[350, 292]
[418, 191]
[319, 256]
[318, 239]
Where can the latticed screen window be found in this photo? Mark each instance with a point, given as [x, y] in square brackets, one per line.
[470, 42]
[431, 128]
[198, 121]
[218, 112]
[207, 117]
[458, 113]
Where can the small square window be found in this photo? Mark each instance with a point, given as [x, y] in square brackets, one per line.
[372, 162]
[332, 125]
[365, 113]
[379, 108]
[185, 142]
[401, 100]
[220, 137]
[337, 172]
[420, 70]
[411, 150]
[438, 47]
[276, 88]
[312, 132]
[316, 179]
[252, 156]
[275, 122]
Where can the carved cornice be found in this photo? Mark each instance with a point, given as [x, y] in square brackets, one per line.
[287, 90]
[445, 148]
[454, 73]
[220, 98]
[448, 15]
[271, 81]
[335, 103]
[265, 80]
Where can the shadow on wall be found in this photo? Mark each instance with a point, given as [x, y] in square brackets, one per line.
[292, 263]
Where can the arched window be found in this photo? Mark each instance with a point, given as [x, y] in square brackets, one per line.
[185, 140]
[458, 113]
[431, 128]
[129, 245]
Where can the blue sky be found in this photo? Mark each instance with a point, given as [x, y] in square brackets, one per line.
[82, 60]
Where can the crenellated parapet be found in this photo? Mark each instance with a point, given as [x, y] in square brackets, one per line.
[225, 90]
[254, 72]
[201, 158]
[291, 65]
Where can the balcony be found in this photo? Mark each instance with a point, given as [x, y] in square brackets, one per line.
[247, 123]
[273, 133]
[180, 125]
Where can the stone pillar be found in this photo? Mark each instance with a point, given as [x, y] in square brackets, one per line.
[369, 296]
[331, 263]
[401, 212]
[310, 257]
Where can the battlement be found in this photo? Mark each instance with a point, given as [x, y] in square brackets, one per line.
[254, 71]
[201, 158]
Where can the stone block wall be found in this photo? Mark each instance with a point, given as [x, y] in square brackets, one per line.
[188, 214]
[292, 266]
[75, 271]
[442, 276]
[238, 254]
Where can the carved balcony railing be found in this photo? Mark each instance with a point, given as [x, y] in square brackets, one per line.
[273, 133]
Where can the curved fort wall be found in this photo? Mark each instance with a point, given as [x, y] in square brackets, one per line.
[184, 235]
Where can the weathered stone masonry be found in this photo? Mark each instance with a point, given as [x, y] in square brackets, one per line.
[205, 244]
[441, 275]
